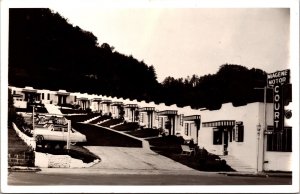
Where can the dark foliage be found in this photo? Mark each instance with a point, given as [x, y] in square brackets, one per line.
[232, 83]
[11, 109]
[45, 51]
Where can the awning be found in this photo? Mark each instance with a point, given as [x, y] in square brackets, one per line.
[117, 104]
[62, 93]
[191, 118]
[29, 90]
[105, 101]
[131, 106]
[167, 112]
[82, 99]
[221, 123]
[17, 95]
[147, 109]
[96, 99]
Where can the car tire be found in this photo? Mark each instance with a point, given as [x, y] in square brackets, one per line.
[39, 139]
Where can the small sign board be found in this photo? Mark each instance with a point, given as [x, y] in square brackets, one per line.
[268, 132]
[279, 78]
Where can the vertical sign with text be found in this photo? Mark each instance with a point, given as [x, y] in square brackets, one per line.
[276, 80]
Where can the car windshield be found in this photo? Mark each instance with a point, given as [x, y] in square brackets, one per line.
[66, 130]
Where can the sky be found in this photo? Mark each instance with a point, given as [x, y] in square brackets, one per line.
[180, 42]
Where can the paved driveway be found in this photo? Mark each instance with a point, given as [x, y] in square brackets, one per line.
[134, 159]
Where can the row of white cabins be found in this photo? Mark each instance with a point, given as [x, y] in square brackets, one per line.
[233, 131]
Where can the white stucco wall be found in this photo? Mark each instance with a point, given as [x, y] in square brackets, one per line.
[250, 151]
[278, 161]
[246, 151]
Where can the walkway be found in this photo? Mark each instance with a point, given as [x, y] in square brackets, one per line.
[53, 109]
[134, 159]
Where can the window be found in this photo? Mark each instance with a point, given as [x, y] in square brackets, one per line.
[280, 141]
[186, 129]
[48, 96]
[181, 119]
[14, 91]
[239, 133]
[42, 96]
[160, 122]
[75, 98]
[142, 117]
[217, 135]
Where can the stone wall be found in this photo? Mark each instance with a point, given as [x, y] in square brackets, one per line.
[22, 159]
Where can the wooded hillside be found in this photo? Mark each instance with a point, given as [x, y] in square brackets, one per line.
[47, 52]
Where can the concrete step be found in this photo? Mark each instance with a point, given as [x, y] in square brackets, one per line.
[236, 164]
[53, 109]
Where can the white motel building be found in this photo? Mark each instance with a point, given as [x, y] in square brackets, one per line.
[244, 133]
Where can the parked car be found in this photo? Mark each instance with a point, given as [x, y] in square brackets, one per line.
[57, 133]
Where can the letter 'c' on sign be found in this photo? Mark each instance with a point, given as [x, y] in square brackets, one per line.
[276, 89]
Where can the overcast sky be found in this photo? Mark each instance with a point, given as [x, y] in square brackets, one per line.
[184, 41]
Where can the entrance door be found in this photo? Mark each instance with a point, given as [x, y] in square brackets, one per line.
[225, 135]
[59, 100]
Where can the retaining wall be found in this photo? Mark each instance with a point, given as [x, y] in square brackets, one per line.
[21, 159]
[45, 160]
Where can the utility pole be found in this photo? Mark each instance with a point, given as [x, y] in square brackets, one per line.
[33, 117]
[257, 155]
[265, 128]
[68, 135]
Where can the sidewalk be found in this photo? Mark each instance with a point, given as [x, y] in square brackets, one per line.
[144, 171]
[23, 169]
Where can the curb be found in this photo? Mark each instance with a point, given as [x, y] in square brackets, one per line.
[23, 169]
[263, 175]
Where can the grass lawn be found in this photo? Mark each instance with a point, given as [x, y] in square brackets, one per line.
[143, 133]
[102, 118]
[81, 118]
[99, 136]
[132, 126]
[111, 122]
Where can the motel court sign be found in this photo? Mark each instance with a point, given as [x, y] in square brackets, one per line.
[276, 81]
